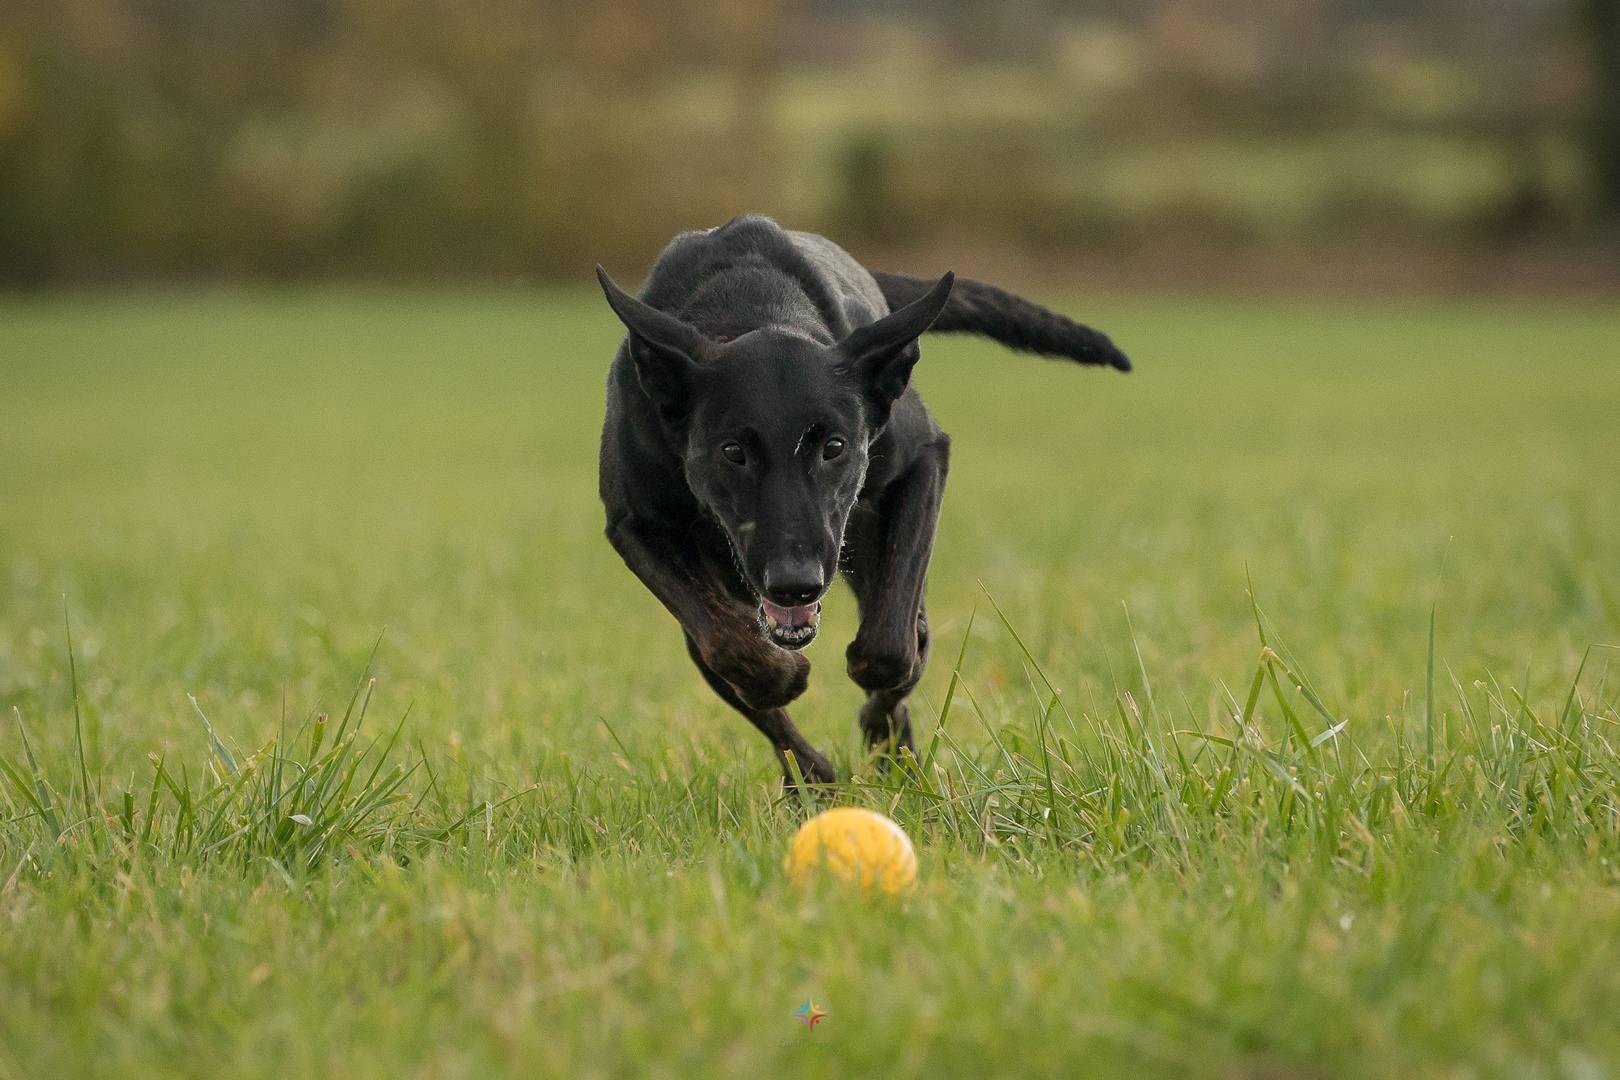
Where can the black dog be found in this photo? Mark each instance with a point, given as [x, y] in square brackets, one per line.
[761, 433]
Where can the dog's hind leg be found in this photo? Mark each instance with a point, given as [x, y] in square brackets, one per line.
[774, 723]
[887, 551]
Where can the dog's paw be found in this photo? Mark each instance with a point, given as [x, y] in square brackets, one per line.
[886, 728]
[790, 679]
[766, 679]
[882, 667]
[817, 771]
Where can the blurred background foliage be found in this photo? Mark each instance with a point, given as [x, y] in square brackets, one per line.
[530, 139]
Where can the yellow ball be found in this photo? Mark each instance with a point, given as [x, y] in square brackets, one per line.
[857, 845]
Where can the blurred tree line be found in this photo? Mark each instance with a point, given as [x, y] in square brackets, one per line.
[533, 138]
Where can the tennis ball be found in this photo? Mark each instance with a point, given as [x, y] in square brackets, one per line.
[857, 845]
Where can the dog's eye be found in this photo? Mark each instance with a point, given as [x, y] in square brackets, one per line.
[733, 453]
[833, 448]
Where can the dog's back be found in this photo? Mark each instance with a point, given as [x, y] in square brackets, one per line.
[750, 272]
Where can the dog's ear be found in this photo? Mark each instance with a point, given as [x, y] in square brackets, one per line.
[664, 349]
[881, 355]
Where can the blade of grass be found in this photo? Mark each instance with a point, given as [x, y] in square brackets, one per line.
[44, 804]
[1428, 696]
[78, 726]
[950, 694]
[806, 800]
[221, 751]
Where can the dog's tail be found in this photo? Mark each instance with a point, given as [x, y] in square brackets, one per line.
[977, 308]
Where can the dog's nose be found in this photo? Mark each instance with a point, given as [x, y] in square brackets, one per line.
[793, 584]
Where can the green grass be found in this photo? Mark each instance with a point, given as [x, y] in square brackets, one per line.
[568, 862]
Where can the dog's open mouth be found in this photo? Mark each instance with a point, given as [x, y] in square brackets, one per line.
[790, 627]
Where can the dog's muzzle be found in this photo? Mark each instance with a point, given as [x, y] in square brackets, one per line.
[790, 627]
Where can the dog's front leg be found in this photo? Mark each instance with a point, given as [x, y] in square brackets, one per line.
[749, 673]
[726, 636]
[888, 569]
[775, 724]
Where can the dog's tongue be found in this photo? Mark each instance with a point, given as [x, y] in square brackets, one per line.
[792, 616]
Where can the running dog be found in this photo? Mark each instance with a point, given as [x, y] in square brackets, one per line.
[762, 433]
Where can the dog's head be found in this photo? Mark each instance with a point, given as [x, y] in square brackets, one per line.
[774, 429]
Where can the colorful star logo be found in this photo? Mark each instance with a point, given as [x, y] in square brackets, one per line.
[809, 1014]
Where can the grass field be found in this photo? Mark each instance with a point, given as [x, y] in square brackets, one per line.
[577, 872]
